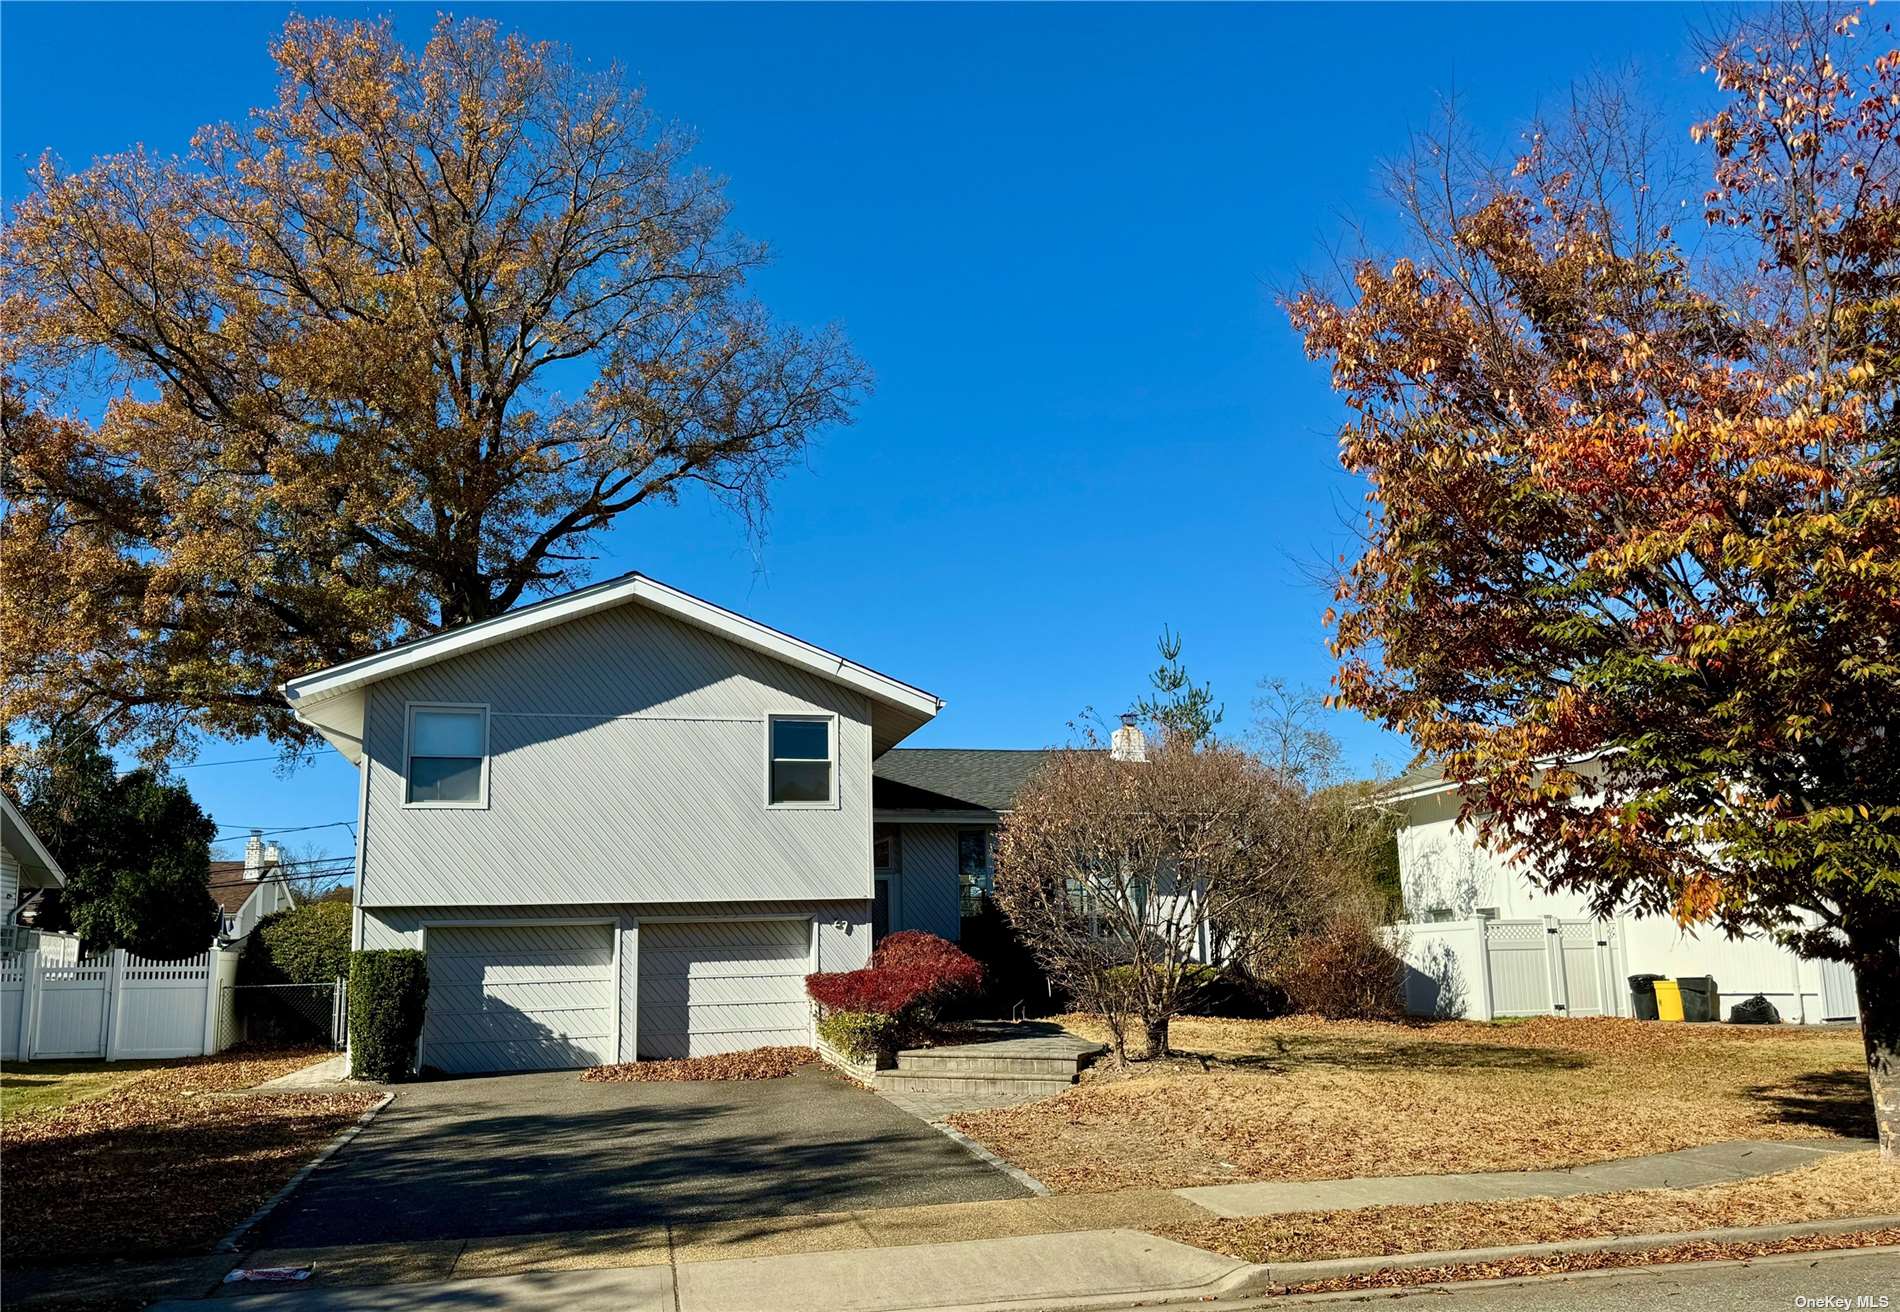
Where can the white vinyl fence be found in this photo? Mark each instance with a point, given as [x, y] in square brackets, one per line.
[115, 1006]
[1484, 969]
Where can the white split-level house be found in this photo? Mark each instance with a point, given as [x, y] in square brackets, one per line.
[625, 823]
[1456, 889]
[248, 890]
[25, 867]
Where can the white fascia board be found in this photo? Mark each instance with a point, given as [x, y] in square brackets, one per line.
[309, 692]
[19, 836]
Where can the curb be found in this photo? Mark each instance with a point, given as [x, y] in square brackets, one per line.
[1258, 1279]
[230, 1243]
[988, 1158]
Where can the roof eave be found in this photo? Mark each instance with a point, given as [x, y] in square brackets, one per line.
[43, 862]
[905, 708]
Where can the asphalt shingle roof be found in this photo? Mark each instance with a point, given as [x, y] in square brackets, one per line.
[953, 778]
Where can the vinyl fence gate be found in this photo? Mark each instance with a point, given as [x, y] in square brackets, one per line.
[1489, 968]
[295, 1013]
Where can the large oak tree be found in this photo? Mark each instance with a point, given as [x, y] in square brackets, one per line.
[383, 360]
[1631, 565]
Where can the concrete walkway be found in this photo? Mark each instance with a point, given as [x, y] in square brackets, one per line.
[1689, 1169]
[1032, 1270]
[330, 1070]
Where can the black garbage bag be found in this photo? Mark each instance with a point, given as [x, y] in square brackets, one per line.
[1755, 1011]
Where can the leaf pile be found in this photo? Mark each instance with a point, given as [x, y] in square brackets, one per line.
[164, 1163]
[1565, 1263]
[1847, 1185]
[1305, 1099]
[753, 1064]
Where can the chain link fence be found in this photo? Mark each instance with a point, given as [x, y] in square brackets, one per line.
[287, 1013]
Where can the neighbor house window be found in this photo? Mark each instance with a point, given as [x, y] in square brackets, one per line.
[973, 868]
[801, 768]
[448, 755]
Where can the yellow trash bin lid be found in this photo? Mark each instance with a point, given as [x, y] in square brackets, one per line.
[1668, 1000]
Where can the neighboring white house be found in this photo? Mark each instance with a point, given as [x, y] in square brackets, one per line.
[246, 891]
[621, 823]
[26, 867]
[1478, 924]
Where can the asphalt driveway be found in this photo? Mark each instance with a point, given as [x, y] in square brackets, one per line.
[524, 1154]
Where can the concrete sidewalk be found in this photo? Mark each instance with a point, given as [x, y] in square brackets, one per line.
[1039, 1270]
[1691, 1168]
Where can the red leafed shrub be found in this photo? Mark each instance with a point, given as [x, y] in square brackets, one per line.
[951, 968]
[883, 992]
[908, 970]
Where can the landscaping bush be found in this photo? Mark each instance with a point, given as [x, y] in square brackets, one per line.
[1344, 970]
[910, 975]
[1214, 991]
[859, 1035]
[940, 965]
[1012, 978]
[389, 991]
[308, 944]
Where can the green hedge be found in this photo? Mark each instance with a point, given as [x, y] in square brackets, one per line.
[859, 1035]
[309, 944]
[389, 991]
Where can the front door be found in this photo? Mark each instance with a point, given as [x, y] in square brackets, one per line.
[881, 912]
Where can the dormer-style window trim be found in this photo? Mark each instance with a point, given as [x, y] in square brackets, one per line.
[801, 773]
[441, 735]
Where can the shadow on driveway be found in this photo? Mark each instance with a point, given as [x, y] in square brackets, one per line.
[524, 1154]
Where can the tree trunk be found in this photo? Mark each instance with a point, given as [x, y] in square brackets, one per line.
[1157, 1031]
[1877, 981]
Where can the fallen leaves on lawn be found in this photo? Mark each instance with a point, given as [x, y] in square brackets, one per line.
[162, 1163]
[1568, 1263]
[1847, 1185]
[1305, 1099]
[753, 1064]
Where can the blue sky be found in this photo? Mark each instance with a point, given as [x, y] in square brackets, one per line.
[1055, 234]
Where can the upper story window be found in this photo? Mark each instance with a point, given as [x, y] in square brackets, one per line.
[448, 756]
[801, 769]
[884, 849]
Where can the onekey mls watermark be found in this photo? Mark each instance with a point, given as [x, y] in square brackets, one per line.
[1843, 1302]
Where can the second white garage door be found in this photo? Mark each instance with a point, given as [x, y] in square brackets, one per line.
[519, 998]
[723, 986]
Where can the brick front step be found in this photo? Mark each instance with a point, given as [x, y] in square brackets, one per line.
[940, 1083]
[968, 1062]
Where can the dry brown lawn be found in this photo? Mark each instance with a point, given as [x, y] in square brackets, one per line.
[1306, 1099]
[1850, 1185]
[167, 1161]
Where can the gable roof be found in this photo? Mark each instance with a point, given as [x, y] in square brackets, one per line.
[227, 891]
[331, 700]
[954, 778]
[24, 846]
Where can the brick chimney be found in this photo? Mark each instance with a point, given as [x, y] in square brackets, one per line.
[254, 857]
[1128, 742]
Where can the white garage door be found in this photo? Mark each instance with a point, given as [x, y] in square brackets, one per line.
[520, 998]
[723, 986]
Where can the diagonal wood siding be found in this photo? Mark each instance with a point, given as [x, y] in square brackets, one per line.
[626, 765]
[843, 937]
[523, 997]
[723, 986]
